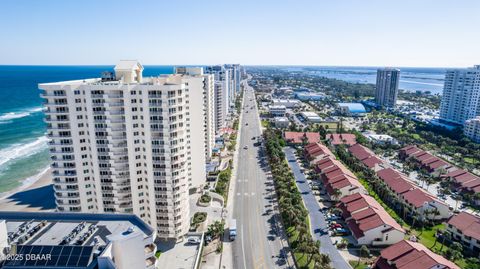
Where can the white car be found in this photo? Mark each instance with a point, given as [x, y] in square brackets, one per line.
[193, 240]
[246, 147]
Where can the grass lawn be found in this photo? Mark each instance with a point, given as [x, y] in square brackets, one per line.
[356, 265]
[265, 123]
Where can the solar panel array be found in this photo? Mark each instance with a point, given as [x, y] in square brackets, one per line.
[39, 256]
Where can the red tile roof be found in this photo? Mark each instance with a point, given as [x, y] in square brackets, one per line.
[316, 149]
[297, 137]
[366, 213]
[418, 197]
[408, 255]
[360, 152]
[372, 161]
[467, 223]
[337, 139]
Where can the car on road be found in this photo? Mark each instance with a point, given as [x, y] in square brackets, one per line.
[193, 240]
[246, 147]
[246, 124]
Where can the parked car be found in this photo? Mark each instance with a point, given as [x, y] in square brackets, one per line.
[193, 240]
[341, 231]
[336, 225]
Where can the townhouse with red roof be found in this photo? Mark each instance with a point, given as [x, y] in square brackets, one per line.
[341, 139]
[337, 178]
[411, 255]
[317, 151]
[425, 160]
[298, 138]
[369, 222]
[367, 157]
[465, 228]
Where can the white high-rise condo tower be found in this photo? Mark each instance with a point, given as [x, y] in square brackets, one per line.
[222, 94]
[461, 95]
[125, 143]
[386, 89]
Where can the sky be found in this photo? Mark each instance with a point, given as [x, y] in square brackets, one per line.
[428, 33]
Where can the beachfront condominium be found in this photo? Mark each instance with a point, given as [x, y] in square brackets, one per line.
[222, 93]
[472, 129]
[386, 89]
[461, 95]
[199, 120]
[124, 143]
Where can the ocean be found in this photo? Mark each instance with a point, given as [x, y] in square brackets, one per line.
[23, 144]
[411, 78]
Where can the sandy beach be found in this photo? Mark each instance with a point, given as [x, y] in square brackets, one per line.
[35, 194]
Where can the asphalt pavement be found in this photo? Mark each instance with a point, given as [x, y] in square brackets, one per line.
[258, 243]
[317, 219]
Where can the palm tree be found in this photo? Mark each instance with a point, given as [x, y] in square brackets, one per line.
[336, 194]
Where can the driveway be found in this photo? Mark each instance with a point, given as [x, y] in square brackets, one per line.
[317, 219]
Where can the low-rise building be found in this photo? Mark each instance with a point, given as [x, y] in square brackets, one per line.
[316, 152]
[463, 180]
[351, 109]
[367, 157]
[369, 222]
[465, 228]
[288, 103]
[311, 117]
[337, 179]
[277, 110]
[297, 138]
[309, 96]
[341, 139]
[407, 255]
[78, 240]
[425, 160]
[281, 122]
[471, 129]
[381, 139]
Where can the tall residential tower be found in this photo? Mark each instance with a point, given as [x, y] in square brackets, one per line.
[386, 89]
[124, 143]
[461, 95]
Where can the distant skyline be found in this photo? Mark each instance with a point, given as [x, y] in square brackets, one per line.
[427, 33]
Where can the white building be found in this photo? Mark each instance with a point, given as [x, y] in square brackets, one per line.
[205, 120]
[123, 143]
[369, 222]
[288, 103]
[311, 117]
[222, 94]
[281, 122]
[386, 89]
[277, 111]
[105, 241]
[472, 129]
[461, 95]
[381, 139]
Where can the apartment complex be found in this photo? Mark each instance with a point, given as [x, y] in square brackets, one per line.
[461, 95]
[472, 129]
[128, 144]
[386, 89]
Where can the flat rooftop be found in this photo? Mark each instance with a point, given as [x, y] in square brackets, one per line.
[81, 229]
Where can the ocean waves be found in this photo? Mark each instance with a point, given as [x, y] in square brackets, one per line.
[6, 117]
[19, 151]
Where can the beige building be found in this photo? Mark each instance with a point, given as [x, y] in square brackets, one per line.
[128, 144]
